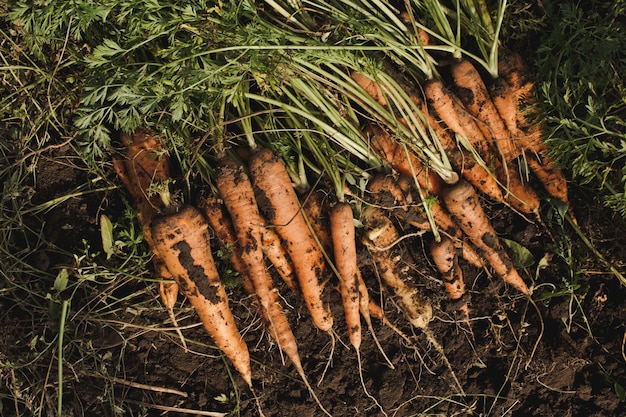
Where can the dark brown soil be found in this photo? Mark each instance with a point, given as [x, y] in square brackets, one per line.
[114, 368]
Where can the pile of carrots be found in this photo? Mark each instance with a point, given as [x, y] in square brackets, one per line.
[254, 209]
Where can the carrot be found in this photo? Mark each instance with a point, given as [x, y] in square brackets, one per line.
[474, 94]
[464, 205]
[370, 87]
[237, 192]
[182, 239]
[380, 238]
[279, 201]
[445, 258]
[218, 218]
[417, 308]
[448, 109]
[344, 249]
[352, 286]
[144, 165]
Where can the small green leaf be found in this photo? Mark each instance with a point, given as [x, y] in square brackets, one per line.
[60, 282]
[619, 391]
[106, 232]
[522, 258]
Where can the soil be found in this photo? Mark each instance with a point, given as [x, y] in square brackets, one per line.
[113, 368]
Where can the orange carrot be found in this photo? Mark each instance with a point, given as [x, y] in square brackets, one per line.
[220, 222]
[237, 192]
[370, 87]
[474, 94]
[182, 239]
[144, 165]
[448, 109]
[280, 204]
[464, 205]
[445, 257]
[345, 257]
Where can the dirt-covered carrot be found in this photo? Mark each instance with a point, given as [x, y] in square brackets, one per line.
[380, 239]
[237, 192]
[144, 168]
[220, 222]
[464, 204]
[278, 200]
[388, 259]
[445, 258]
[448, 108]
[183, 240]
[473, 93]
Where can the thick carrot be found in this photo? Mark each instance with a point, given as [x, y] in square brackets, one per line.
[237, 192]
[182, 239]
[345, 258]
[444, 255]
[280, 204]
[474, 94]
[448, 108]
[370, 87]
[464, 205]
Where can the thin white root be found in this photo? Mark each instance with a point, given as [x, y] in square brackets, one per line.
[170, 312]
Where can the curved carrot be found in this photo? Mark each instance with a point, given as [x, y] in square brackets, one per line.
[144, 165]
[182, 239]
[464, 204]
[445, 258]
[282, 210]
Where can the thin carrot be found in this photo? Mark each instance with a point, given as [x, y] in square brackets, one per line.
[182, 239]
[237, 192]
[345, 258]
[464, 205]
[145, 165]
[220, 222]
[278, 200]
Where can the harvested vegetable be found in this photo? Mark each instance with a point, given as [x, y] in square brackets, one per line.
[279, 202]
[183, 240]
